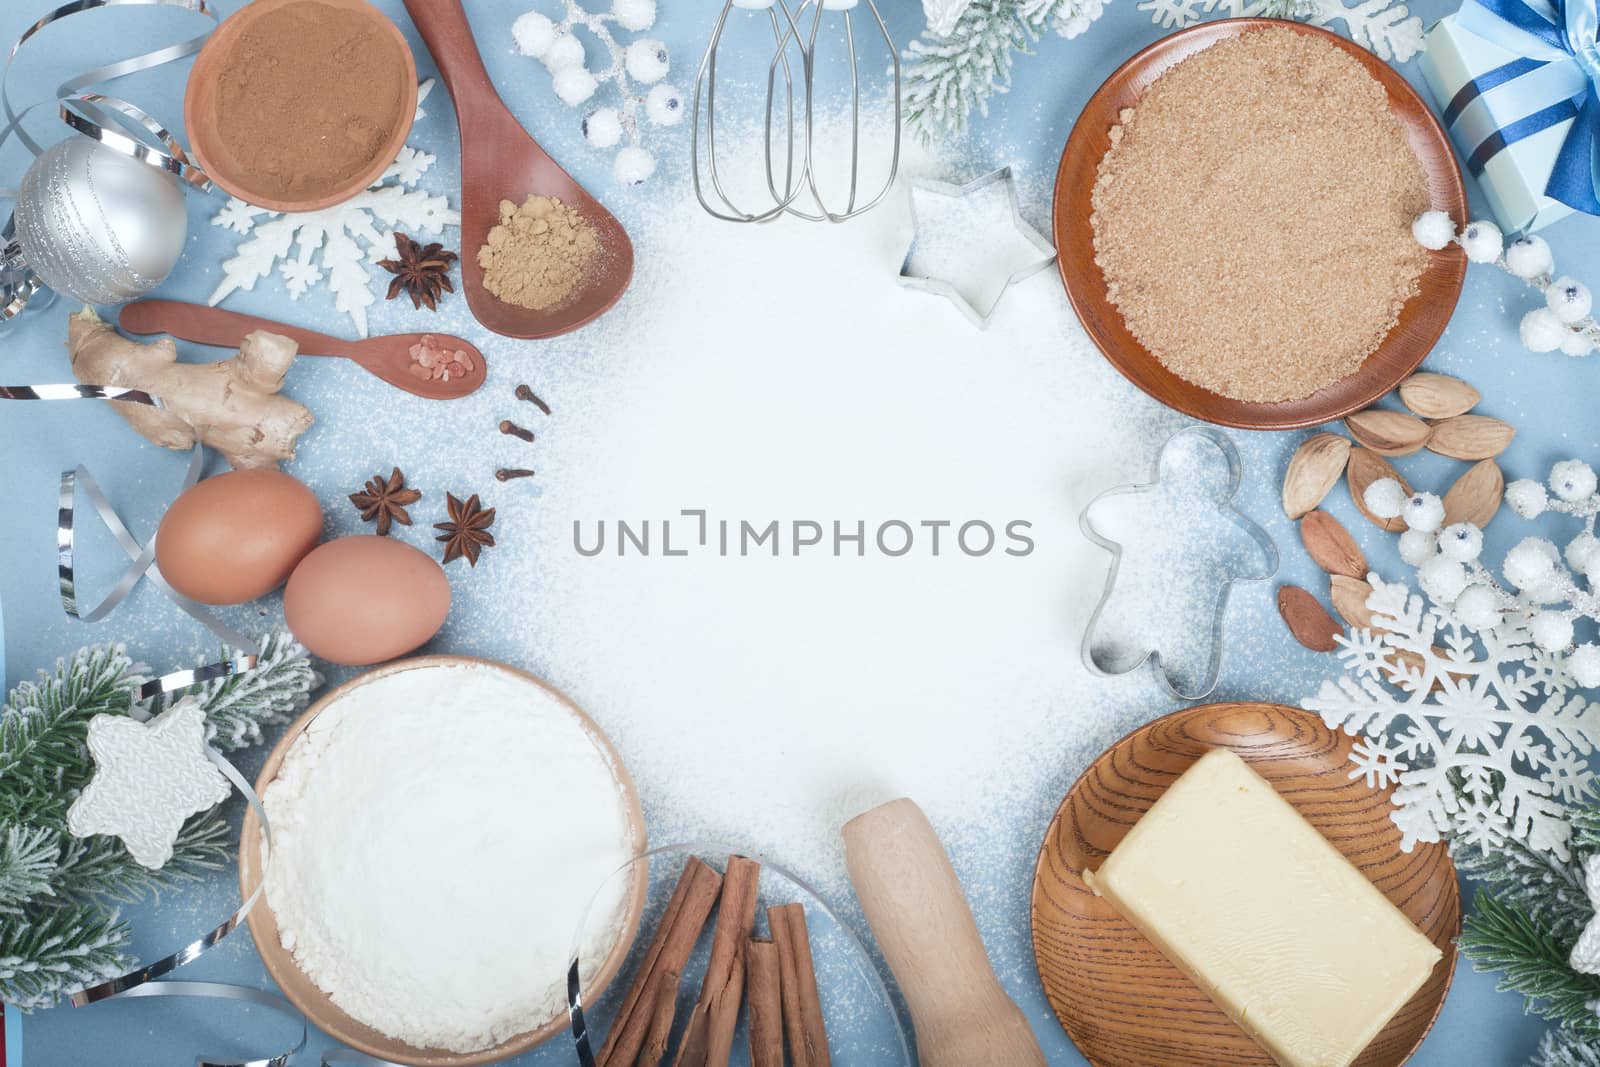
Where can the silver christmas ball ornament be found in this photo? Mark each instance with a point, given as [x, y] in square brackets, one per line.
[97, 225]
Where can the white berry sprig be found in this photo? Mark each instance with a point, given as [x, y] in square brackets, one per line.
[1565, 322]
[1546, 587]
[632, 68]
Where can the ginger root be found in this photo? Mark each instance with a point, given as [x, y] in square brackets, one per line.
[232, 405]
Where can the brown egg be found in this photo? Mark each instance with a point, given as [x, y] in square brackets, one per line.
[365, 599]
[237, 536]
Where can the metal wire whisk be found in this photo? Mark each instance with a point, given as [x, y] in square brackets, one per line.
[798, 192]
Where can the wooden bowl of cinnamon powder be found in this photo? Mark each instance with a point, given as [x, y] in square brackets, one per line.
[1233, 215]
[297, 105]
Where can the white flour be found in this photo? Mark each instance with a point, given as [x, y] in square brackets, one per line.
[438, 834]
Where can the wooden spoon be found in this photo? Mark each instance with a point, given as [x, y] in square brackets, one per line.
[387, 357]
[499, 161]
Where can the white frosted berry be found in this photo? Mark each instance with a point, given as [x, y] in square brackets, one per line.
[1550, 631]
[602, 127]
[1531, 564]
[1569, 299]
[1576, 344]
[1423, 511]
[1527, 498]
[1529, 257]
[1584, 663]
[646, 60]
[1542, 331]
[1572, 479]
[1461, 541]
[1482, 241]
[575, 85]
[1385, 498]
[1583, 553]
[1442, 579]
[1478, 607]
[534, 34]
[634, 15]
[563, 53]
[664, 105]
[1417, 547]
[1433, 230]
[633, 165]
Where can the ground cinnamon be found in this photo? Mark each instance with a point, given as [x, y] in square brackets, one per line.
[307, 99]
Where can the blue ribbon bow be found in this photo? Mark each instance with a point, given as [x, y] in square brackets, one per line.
[1557, 78]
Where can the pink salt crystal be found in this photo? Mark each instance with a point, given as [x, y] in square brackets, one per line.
[426, 359]
[464, 359]
[419, 371]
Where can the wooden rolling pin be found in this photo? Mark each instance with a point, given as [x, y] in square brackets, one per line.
[916, 909]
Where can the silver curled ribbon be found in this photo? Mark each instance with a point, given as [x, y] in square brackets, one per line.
[97, 116]
[142, 557]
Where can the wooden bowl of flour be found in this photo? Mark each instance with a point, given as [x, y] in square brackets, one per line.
[315, 1003]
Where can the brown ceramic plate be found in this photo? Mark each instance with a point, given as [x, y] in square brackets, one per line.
[200, 108]
[1422, 319]
[312, 1001]
[1122, 1002]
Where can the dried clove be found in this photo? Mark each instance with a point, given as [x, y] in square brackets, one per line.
[505, 474]
[524, 393]
[511, 428]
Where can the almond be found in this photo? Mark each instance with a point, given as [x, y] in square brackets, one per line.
[1313, 469]
[1349, 596]
[1438, 396]
[1470, 437]
[1363, 468]
[1475, 497]
[1330, 545]
[1388, 433]
[1307, 619]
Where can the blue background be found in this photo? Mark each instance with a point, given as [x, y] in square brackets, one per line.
[1547, 397]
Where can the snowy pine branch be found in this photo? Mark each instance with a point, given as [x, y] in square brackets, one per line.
[57, 933]
[1501, 935]
[1563, 1048]
[947, 77]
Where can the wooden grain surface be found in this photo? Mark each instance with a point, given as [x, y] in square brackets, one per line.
[1121, 1001]
[1422, 320]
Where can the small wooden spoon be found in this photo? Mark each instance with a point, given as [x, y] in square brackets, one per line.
[387, 357]
[499, 161]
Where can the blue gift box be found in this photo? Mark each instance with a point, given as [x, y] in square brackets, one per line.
[1518, 85]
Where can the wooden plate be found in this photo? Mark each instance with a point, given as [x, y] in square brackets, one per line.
[200, 108]
[312, 1001]
[1121, 1001]
[1421, 322]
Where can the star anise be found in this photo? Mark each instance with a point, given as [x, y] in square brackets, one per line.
[422, 271]
[385, 500]
[467, 532]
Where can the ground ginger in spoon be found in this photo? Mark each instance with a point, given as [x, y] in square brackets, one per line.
[538, 253]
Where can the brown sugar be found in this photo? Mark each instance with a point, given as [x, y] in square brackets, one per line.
[1252, 218]
[536, 255]
[308, 98]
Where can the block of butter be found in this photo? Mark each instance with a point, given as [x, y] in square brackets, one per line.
[1261, 912]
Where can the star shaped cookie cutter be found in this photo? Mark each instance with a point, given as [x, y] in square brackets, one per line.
[1224, 504]
[929, 284]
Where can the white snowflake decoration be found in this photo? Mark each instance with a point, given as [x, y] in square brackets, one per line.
[1482, 736]
[635, 70]
[337, 244]
[1585, 957]
[149, 778]
[1385, 27]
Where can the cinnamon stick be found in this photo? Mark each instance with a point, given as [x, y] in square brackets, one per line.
[665, 1007]
[680, 928]
[763, 989]
[802, 1006]
[708, 1039]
